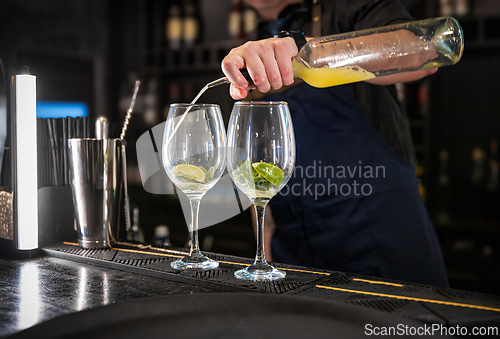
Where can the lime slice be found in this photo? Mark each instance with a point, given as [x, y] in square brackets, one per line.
[211, 172]
[270, 172]
[191, 172]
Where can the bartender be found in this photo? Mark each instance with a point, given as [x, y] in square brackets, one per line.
[353, 203]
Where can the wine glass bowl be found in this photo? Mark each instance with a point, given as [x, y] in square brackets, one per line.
[260, 160]
[193, 156]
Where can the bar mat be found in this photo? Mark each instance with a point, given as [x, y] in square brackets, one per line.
[428, 304]
[157, 263]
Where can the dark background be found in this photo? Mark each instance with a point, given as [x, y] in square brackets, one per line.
[93, 51]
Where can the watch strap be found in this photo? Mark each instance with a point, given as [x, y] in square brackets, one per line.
[298, 36]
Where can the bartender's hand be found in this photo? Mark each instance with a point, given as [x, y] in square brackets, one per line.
[268, 61]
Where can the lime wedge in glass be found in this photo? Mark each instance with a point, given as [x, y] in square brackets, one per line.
[191, 172]
[270, 172]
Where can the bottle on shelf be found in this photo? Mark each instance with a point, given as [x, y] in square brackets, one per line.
[173, 26]
[135, 233]
[190, 24]
[423, 98]
[492, 184]
[250, 22]
[236, 26]
[150, 114]
[443, 191]
[446, 7]
[162, 236]
[462, 7]
[478, 174]
[478, 181]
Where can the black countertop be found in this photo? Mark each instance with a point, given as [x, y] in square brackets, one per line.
[67, 279]
[36, 290]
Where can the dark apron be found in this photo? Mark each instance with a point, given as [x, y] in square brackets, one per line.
[352, 204]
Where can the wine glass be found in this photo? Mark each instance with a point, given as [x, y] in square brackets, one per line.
[260, 160]
[193, 155]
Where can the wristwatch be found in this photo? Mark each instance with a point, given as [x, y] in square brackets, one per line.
[298, 36]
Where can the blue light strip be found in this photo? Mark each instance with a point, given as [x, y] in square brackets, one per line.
[49, 109]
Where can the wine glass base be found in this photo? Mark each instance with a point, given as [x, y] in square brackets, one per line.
[194, 263]
[260, 273]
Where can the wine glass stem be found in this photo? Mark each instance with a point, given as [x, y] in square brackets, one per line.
[260, 257]
[195, 209]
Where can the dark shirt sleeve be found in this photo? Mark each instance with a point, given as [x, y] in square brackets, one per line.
[353, 15]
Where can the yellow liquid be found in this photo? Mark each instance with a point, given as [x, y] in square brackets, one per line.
[327, 77]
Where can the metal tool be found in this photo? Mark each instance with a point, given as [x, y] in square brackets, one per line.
[99, 179]
[101, 128]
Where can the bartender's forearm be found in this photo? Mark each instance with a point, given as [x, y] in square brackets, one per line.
[403, 77]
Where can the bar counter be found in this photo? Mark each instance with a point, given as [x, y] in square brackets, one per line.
[68, 290]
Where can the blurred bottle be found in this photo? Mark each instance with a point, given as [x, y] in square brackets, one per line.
[150, 114]
[135, 233]
[443, 191]
[250, 22]
[188, 92]
[492, 184]
[445, 7]
[173, 95]
[126, 90]
[190, 24]
[462, 8]
[478, 181]
[236, 26]
[478, 174]
[173, 26]
[423, 98]
[162, 236]
[208, 243]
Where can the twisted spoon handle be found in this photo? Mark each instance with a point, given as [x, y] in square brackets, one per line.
[129, 112]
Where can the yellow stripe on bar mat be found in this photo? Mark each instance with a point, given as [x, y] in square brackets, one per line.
[303, 271]
[181, 256]
[449, 303]
[377, 282]
[144, 252]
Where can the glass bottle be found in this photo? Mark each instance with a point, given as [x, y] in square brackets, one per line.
[173, 27]
[236, 27]
[443, 190]
[190, 24]
[372, 53]
[367, 54]
[162, 235]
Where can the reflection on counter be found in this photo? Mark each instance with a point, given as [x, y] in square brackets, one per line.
[29, 296]
[37, 290]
